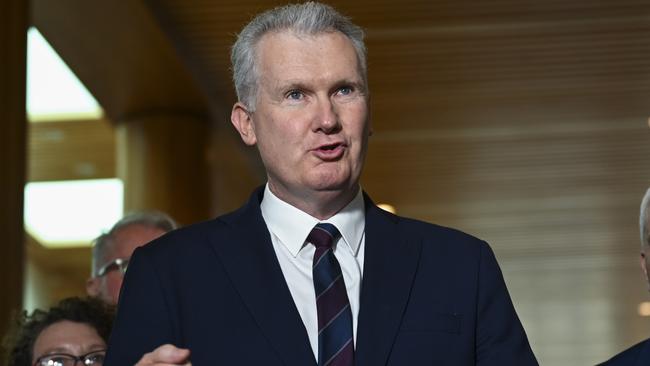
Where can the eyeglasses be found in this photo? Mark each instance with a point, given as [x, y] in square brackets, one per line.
[95, 358]
[120, 264]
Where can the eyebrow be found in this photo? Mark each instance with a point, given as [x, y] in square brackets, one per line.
[290, 85]
[300, 85]
[92, 348]
[96, 347]
[345, 82]
[56, 350]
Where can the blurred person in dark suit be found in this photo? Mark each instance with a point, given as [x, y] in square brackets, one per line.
[639, 354]
[112, 251]
[310, 271]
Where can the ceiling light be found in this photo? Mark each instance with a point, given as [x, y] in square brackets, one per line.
[387, 207]
[72, 213]
[53, 90]
[644, 308]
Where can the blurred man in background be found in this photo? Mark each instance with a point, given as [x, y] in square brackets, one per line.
[112, 251]
[639, 354]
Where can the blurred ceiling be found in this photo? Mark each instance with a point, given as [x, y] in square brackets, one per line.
[522, 122]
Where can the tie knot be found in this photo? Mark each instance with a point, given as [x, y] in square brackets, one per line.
[323, 235]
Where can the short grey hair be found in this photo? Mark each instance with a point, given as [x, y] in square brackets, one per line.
[153, 219]
[643, 219]
[310, 18]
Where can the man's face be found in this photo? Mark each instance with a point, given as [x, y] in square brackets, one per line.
[311, 119]
[124, 242]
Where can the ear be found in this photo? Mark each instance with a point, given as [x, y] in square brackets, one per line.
[644, 268]
[241, 119]
[371, 131]
[92, 287]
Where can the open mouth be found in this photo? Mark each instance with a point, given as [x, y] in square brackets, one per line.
[330, 152]
[330, 147]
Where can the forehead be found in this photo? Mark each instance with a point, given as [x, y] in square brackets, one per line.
[68, 337]
[127, 238]
[290, 55]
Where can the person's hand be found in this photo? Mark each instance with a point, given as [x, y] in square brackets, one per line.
[166, 355]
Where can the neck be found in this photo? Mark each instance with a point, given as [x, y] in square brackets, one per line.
[319, 204]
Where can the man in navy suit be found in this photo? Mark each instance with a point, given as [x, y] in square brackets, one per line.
[248, 288]
[639, 354]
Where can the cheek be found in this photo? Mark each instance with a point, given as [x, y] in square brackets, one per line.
[114, 283]
[361, 136]
[359, 125]
[280, 134]
[359, 111]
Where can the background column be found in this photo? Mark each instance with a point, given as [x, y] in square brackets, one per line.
[13, 46]
[162, 160]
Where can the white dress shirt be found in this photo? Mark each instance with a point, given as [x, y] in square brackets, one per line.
[289, 228]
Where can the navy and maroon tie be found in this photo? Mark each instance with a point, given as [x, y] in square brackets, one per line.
[335, 346]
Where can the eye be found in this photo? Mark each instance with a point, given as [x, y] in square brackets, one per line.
[295, 95]
[345, 90]
[94, 359]
[55, 361]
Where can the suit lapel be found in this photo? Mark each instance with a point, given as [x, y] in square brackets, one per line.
[390, 262]
[252, 265]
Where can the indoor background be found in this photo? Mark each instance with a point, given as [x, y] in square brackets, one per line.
[524, 123]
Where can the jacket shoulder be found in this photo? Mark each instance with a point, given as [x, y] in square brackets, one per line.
[630, 356]
[188, 238]
[438, 235]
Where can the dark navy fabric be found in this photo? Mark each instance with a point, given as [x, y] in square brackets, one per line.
[430, 296]
[637, 355]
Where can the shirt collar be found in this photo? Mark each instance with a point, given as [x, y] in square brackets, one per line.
[292, 226]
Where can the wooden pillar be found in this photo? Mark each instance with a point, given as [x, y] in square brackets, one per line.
[13, 141]
[162, 160]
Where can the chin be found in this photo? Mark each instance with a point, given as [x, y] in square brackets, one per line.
[332, 186]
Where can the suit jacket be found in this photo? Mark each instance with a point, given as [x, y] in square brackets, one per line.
[430, 296]
[637, 355]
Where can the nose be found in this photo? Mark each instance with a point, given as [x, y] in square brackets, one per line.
[327, 119]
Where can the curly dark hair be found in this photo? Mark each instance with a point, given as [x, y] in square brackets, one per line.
[19, 342]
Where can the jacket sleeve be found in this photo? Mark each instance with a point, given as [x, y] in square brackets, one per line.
[143, 320]
[500, 337]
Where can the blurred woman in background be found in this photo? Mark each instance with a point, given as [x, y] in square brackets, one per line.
[75, 331]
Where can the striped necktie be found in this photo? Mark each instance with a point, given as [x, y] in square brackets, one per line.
[335, 346]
